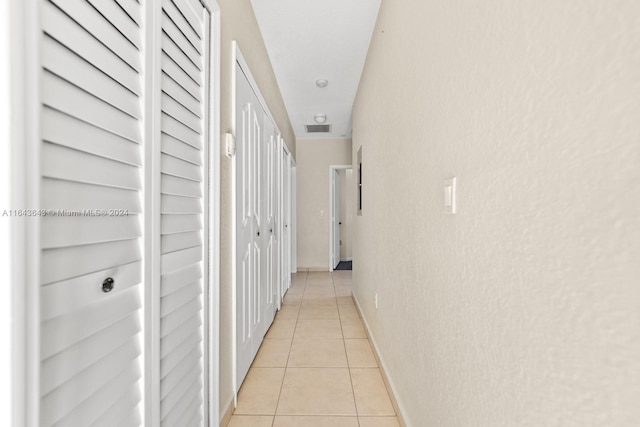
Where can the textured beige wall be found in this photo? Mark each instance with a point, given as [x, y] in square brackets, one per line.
[524, 308]
[314, 156]
[239, 23]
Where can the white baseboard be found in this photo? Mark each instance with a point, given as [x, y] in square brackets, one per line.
[391, 388]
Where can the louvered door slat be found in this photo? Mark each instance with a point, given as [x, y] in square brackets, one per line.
[71, 132]
[58, 368]
[68, 98]
[176, 242]
[174, 392]
[93, 406]
[133, 9]
[90, 168]
[185, 314]
[73, 294]
[181, 59]
[179, 186]
[171, 282]
[189, 365]
[126, 413]
[73, 196]
[177, 337]
[120, 20]
[95, 319]
[179, 168]
[180, 205]
[180, 223]
[172, 302]
[178, 416]
[65, 263]
[194, 18]
[177, 260]
[180, 131]
[61, 231]
[188, 314]
[180, 94]
[64, 63]
[176, 110]
[177, 354]
[180, 39]
[177, 74]
[178, 149]
[61, 401]
[90, 19]
[180, 21]
[66, 31]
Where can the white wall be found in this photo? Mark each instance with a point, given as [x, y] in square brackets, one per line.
[524, 308]
[314, 156]
[239, 23]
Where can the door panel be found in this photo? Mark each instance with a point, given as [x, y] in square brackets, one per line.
[255, 302]
[91, 152]
[245, 268]
[335, 218]
[182, 198]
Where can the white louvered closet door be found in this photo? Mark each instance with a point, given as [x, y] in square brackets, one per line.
[90, 176]
[184, 122]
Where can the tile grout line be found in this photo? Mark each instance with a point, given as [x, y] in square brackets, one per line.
[286, 365]
[344, 343]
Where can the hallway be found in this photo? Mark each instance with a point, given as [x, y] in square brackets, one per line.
[315, 367]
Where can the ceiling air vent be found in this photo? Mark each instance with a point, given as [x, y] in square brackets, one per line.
[318, 128]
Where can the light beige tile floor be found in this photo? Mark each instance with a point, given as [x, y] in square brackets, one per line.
[315, 367]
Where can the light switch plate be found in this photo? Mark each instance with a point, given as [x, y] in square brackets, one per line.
[450, 196]
[230, 145]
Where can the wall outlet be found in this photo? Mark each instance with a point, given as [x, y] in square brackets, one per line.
[375, 299]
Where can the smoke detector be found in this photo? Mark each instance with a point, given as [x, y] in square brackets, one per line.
[320, 118]
[322, 83]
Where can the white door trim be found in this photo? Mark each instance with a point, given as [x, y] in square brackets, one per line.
[212, 368]
[333, 168]
[24, 33]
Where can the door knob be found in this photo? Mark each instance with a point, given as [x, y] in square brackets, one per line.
[258, 233]
[107, 285]
[340, 223]
[271, 230]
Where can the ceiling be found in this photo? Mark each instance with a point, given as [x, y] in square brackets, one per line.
[310, 40]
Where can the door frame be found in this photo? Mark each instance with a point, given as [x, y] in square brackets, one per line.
[24, 190]
[332, 169]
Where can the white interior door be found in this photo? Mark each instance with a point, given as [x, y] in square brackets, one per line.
[91, 259]
[183, 226]
[255, 301]
[335, 217]
[285, 261]
[269, 233]
[98, 100]
[246, 266]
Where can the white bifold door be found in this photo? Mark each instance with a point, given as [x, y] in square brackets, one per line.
[256, 239]
[119, 230]
[184, 133]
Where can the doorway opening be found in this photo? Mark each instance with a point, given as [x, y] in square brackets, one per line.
[341, 212]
